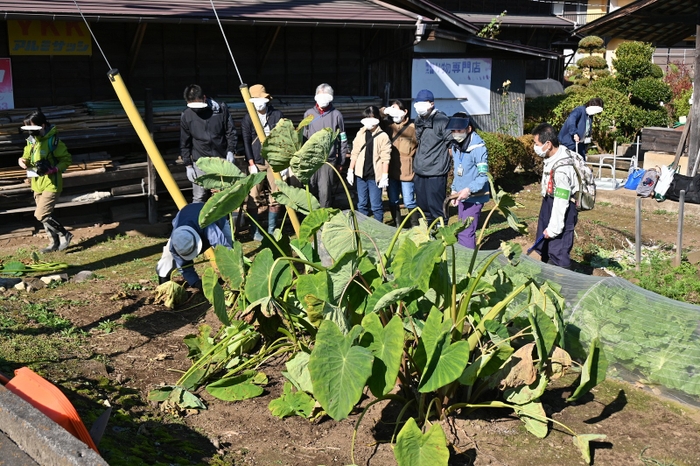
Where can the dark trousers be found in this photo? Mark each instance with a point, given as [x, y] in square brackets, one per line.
[556, 250]
[369, 198]
[431, 192]
[321, 185]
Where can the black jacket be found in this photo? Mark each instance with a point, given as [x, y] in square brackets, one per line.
[250, 138]
[432, 157]
[209, 132]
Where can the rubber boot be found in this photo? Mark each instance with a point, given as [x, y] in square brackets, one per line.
[415, 220]
[65, 235]
[399, 218]
[392, 211]
[272, 219]
[53, 237]
[257, 236]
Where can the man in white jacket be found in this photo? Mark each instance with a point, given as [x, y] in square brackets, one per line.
[558, 214]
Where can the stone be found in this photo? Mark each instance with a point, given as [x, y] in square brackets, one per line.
[83, 276]
[693, 257]
[59, 277]
[33, 284]
[9, 282]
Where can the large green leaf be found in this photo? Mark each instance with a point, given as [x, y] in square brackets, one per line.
[535, 419]
[446, 364]
[593, 370]
[431, 334]
[338, 235]
[386, 344]
[215, 294]
[413, 448]
[318, 285]
[314, 221]
[298, 372]
[527, 393]
[292, 403]
[342, 273]
[319, 310]
[279, 147]
[387, 294]
[583, 442]
[339, 370]
[219, 167]
[295, 198]
[200, 343]
[231, 264]
[241, 387]
[256, 281]
[314, 153]
[228, 200]
[449, 233]
[418, 267]
[544, 331]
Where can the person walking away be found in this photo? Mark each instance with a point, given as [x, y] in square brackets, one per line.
[206, 130]
[326, 116]
[369, 164]
[187, 241]
[432, 161]
[402, 133]
[558, 215]
[269, 117]
[470, 159]
[45, 158]
[575, 134]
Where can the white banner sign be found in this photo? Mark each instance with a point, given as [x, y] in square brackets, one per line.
[458, 84]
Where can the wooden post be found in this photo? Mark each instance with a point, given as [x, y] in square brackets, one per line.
[151, 172]
[694, 135]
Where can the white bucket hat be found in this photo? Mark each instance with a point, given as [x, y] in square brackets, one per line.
[186, 242]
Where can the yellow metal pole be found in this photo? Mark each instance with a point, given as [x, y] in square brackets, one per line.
[138, 124]
[261, 136]
[147, 141]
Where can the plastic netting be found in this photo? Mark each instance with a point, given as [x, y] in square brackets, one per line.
[646, 337]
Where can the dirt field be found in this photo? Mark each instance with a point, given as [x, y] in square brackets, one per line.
[126, 346]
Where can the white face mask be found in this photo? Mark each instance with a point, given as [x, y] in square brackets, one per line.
[422, 108]
[260, 103]
[459, 137]
[369, 123]
[323, 99]
[397, 119]
[539, 150]
[593, 110]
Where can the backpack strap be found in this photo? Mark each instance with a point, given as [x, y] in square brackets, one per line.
[372, 139]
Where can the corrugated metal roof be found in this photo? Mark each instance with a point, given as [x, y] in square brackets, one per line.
[303, 12]
[519, 20]
[663, 22]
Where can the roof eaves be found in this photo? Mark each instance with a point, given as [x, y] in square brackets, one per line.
[619, 13]
[445, 15]
[498, 44]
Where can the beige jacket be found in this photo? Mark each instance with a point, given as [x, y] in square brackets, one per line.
[381, 152]
[403, 149]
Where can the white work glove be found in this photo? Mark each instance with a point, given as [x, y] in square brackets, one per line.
[350, 176]
[22, 163]
[229, 156]
[284, 173]
[191, 174]
[384, 182]
[253, 169]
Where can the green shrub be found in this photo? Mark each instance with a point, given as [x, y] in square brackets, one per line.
[591, 43]
[656, 71]
[633, 61]
[516, 150]
[574, 89]
[499, 164]
[610, 82]
[681, 105]
[530, 162]
[649, 92]
[592, 61]
[540, 109]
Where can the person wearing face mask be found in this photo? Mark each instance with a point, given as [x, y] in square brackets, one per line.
[575, 134]
[269, 117]
[369, 164]
[471, 167]
[432, 161]
[326, 116]
[402, 133]
[45, 158]
[558, 215]
[206, 130]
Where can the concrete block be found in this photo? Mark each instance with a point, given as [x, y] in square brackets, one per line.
[652, 159]
[42, 439]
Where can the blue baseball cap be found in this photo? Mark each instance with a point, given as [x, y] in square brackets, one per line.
[425, 96]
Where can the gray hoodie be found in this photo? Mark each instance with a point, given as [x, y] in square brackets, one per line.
[333, 119]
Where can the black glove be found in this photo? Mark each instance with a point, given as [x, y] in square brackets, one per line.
[42, 167]
[162, 280]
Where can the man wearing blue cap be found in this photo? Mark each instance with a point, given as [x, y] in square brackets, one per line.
[432, 161]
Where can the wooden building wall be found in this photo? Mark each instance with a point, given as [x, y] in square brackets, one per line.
[287, 60]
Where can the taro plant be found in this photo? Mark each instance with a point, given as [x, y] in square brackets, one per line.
[414, 319]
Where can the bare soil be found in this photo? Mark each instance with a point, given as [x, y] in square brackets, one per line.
[146, 349]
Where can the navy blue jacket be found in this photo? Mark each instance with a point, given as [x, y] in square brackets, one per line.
[575, 124]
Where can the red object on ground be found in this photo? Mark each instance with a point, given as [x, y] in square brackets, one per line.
[48, 399]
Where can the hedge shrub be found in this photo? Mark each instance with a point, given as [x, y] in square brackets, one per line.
[500, 164]
[633, 61]
[530, 162]
[649, 92]
[540, 109]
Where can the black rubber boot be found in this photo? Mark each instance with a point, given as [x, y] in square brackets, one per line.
[53, 237]
[415, 220]
[65, 235]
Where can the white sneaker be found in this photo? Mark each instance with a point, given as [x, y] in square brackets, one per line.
[257, 236]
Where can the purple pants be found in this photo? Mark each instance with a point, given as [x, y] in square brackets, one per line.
[467, 237]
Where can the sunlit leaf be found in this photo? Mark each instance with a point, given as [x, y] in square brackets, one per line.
[292, 403]
[583, 442]
[228, 200]
[297, 199]
[215, 294]
[593, 370]
[386, 344]
[314, 153]
[413, 448]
